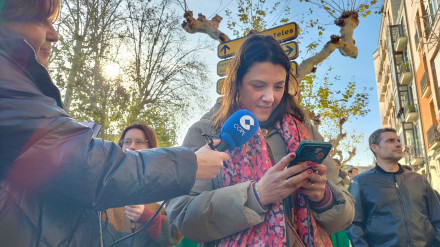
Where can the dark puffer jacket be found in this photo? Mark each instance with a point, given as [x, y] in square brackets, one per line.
[54, 176]
[394, 209]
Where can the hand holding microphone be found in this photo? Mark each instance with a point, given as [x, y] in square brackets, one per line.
[238, 129]
[209, 161]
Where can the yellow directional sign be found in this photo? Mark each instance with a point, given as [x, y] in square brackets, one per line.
[294, 68]
[220, 85]
[282, 33]
[291, 49]
[222, 66]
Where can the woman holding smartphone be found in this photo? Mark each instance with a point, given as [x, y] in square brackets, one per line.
[256, 199]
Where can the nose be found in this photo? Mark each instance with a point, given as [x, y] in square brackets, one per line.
[51, 35]
[132, 146]
[268, 95]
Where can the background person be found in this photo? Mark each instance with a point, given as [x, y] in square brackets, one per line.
[345, 181]
[394, 206]
[353, 172]
[243, 206]
[119, 222]
[54, 176]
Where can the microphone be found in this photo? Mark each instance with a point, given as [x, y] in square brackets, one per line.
[238, 129]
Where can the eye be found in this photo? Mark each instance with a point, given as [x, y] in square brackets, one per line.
[257, 86]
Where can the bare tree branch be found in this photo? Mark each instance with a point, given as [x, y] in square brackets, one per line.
[201, 25]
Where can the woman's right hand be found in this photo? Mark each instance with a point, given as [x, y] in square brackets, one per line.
[279, 182]
[209, 161]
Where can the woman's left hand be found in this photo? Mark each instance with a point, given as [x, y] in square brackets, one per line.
[134, 212]
[314, 189]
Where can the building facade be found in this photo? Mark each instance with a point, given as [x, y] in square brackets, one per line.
[407, 67]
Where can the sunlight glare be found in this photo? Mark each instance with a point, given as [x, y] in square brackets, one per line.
[111, 71]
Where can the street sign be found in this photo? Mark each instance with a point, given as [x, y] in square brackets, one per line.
[291, 49]
[294, 67]
[220, 85]
[282, 33]
[222, 66]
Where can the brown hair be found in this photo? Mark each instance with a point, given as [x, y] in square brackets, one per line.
[376, 137]
[148, 132]
[29, 10]
[256, 49]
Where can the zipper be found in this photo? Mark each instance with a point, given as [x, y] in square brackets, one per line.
[399, 195]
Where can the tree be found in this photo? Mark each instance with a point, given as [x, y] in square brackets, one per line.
[162, 70]
[153, 75]
[252, 15]
[86, 40]
[334, 109]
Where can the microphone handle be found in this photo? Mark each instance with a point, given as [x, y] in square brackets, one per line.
[132, 226]
[222, 146]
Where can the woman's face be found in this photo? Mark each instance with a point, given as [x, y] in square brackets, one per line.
[134, 139]
[262, 89]
[39, 34]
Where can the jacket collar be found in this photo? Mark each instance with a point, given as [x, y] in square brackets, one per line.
[23, 54]
[379, 169]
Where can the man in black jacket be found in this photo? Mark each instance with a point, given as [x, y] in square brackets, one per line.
[394, 207]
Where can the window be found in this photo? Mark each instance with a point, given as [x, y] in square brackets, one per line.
[436, 73]
[417, 33]
[431, 9]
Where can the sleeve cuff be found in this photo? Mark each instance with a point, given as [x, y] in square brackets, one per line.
[325, 203]
[253, 201]
[153, 230]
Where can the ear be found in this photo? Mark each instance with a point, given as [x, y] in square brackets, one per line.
[374, 148]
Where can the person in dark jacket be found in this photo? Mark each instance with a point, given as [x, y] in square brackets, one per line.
[394, 206]
[54, 176]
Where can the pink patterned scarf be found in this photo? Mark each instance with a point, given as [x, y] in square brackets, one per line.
[250, 162]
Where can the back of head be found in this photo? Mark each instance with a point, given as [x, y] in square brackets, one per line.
[29, 10]
[26, 11]
[255, 49]
[337, 162]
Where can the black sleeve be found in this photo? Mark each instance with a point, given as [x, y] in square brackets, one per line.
[46, 151]
[356, 232]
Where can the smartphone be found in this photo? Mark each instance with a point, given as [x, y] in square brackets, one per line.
[315, 151]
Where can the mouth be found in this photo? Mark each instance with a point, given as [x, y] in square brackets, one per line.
[45, 52]
[265, 108]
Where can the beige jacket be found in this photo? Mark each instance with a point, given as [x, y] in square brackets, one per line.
[211, 211]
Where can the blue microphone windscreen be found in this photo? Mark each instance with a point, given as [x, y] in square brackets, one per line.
[239, 128]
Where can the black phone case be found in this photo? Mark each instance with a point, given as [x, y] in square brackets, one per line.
[315, 151]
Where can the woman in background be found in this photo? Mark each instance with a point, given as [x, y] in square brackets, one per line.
[119, 222]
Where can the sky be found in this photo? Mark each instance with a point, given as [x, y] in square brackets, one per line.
[360, 70]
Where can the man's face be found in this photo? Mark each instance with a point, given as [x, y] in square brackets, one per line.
[389, 147]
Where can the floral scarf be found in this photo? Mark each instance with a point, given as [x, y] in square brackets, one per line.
[250, 162]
